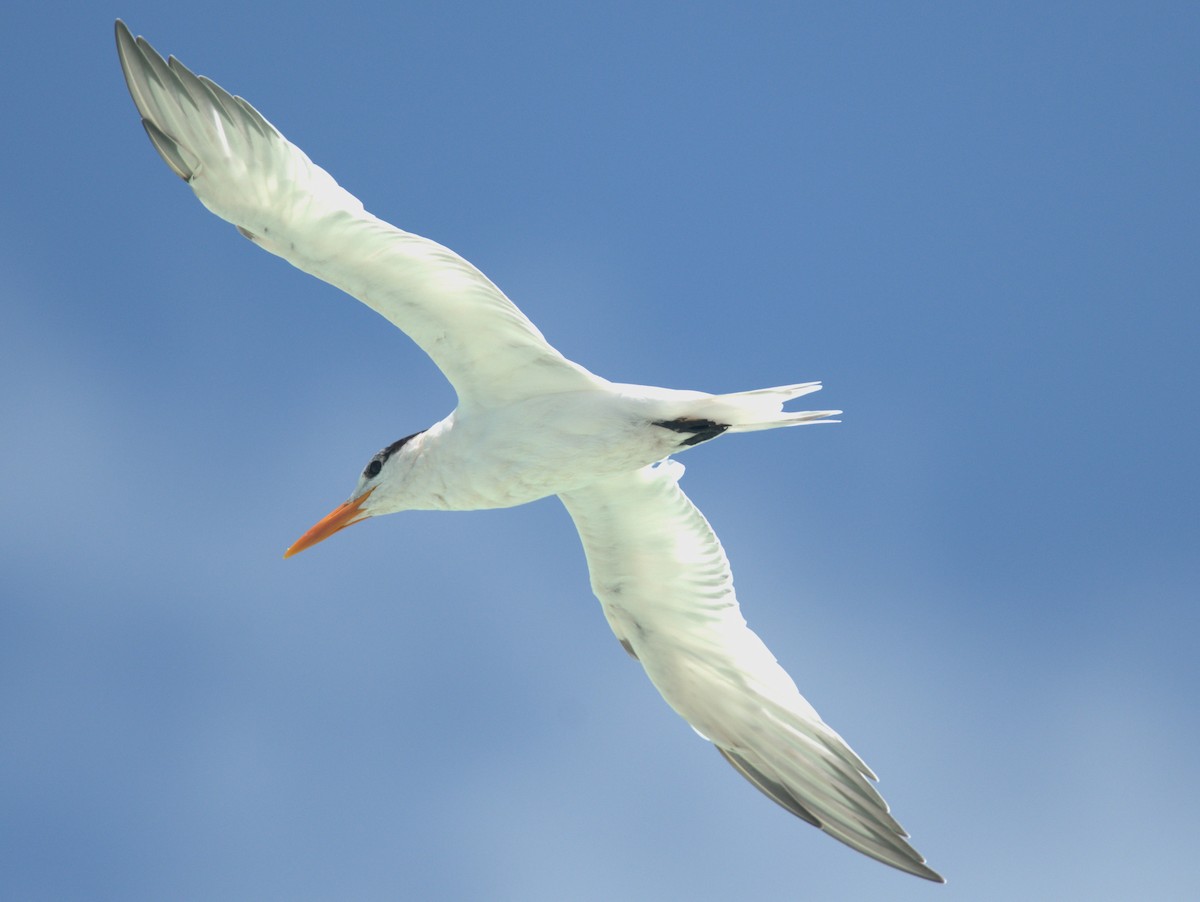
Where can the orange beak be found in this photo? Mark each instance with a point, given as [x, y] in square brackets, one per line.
[336, 520]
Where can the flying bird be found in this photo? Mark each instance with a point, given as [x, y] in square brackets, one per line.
[529, 424]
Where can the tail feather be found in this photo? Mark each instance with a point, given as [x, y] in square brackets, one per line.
[762, 408]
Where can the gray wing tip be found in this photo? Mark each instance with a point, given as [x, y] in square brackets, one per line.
[140, 62]
[897, 854]
[168, 150]
[925, 872]
[772, 789]
[137, 64]
[127, 48]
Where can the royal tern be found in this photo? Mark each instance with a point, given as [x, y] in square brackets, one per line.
[529, 424]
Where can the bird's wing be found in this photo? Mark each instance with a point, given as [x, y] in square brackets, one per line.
[664, 582]
[246, 172]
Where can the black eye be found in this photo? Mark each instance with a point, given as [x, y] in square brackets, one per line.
[373, 469]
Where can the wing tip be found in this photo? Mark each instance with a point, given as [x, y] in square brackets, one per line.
[927, 873]
[168, 150]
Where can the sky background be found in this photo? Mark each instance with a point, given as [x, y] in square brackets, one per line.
[980, 228]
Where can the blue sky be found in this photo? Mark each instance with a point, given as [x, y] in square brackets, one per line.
[978, 227]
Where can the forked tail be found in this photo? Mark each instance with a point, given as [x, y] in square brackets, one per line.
[749, 411]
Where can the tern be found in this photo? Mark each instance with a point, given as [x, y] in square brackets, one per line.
[529, 424]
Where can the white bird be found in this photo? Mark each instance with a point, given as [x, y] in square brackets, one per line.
[529, 424]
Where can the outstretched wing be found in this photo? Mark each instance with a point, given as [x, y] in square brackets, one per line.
[664, 582]
[246, 172]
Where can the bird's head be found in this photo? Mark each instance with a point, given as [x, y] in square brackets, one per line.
[374, 494]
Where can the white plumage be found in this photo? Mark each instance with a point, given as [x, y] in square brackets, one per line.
[531, 423]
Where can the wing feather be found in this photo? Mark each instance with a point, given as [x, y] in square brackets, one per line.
[246, 172]
[666, 588]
